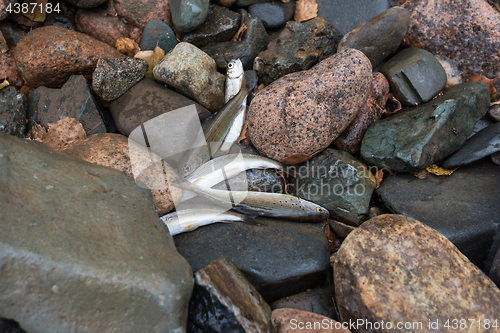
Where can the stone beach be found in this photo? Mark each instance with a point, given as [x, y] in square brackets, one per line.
[381, 118]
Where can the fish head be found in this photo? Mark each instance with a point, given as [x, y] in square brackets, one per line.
[193, 163]
[234, 69]
[316, 212]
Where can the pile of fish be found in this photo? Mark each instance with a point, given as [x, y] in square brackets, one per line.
[210, 163]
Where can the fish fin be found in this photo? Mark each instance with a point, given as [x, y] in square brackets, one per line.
[251, 219]
[226, 221]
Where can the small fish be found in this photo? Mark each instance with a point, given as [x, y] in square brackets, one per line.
[191, 219]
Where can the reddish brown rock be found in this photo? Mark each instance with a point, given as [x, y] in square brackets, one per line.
[8, 70]
[48, 56]
[300, 114]
[298, 321]
[350, 139]
[395, 269]
[121, 18]
[116, 151]
[466, 31]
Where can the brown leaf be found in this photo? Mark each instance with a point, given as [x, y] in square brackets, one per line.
[127, 46]
[259, 88]
[239, 33]
[305, 10]
[438, 171]
[421, 174]
[4, 84]
[152, 58]
[244, 132]
[36, 13]
[333, 242]
[296, 158]
[395, 102]
[380, 175]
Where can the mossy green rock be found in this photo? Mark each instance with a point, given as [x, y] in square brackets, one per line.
[416, 138]
[82, 248]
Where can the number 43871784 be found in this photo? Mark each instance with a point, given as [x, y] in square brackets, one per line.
[25, 8]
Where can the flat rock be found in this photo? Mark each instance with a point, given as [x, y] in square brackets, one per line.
[300, 114]
[379, 36]
[318, 300]
[117, 152]
[396, 269]
[188, 15]
[413, 139]
[224, 301]
[482, 144]
[297, 48]
[443, 203]
[415, 76]
[444, 27]
[73, 100]
[88, 253]
[194, 74]
[113, 77]
[268, 256]
[48, 56]
[273, 14]
[157, 32]
[298, 321]
[13, 107]
[220, 26]
[340, 183]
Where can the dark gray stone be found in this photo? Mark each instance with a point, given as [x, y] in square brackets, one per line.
[268, 256]
[10, 326]
[12, 32]
[254, 40]
[157, 31]
[379, 36]
[13, 107]
[495, 269]
[74, 99]
[320, 301]
[65, 17]
[224, 301]
[414, 139]
[3, 8]
[82, 248]
[298, 47]
[87, 3]
[337, 181]
[244, 3]
[415, 76]
[480, 125]
[188, 15]
[113, 77]
[463, 207]
[495, 158]
[220, 26]
[273, 14]
[345, 15]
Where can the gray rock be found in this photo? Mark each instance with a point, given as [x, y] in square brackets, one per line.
[337, 181]
[415, 76]
[319, 300]
[74, 99]
[495, 269]
[276, 268]
[113, 77]
[82, 248]
[483, 144]
[345, 15]
[188, 15]
[13, 106]
[194, 74]
[12, 32]
[273, 14]
[254, 40]
[298, 47]
[4, 5]
[157, 31]
[87, 3]
[216, 308]
[414, 139]
[480, 125]
[220, 26]
[379, 36]
[444, 203]
[64, 17]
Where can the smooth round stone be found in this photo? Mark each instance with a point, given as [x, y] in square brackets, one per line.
[273, 14]
[396, 269]
[453, 76]
[157, 32]
[87, 3]
[494, 113]
[188, 15]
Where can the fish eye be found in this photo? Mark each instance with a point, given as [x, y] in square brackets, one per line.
[186, 168]
[320, 210]
[230, 65]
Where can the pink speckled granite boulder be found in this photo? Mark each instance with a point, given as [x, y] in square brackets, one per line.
[299, 115]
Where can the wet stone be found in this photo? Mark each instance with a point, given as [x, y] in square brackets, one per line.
[289, 270]
[437, 129]
[89, 234]
[298, 47]
[224, 301]
[73, 100]
[188, 15]
[220, 26]
[13, 107]
[396, 260]
[113, 77]
[482, 144]
[157, 32]
[444, 203]
[194, 74]
[415, 76]
[273, 14]
[337, 181]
